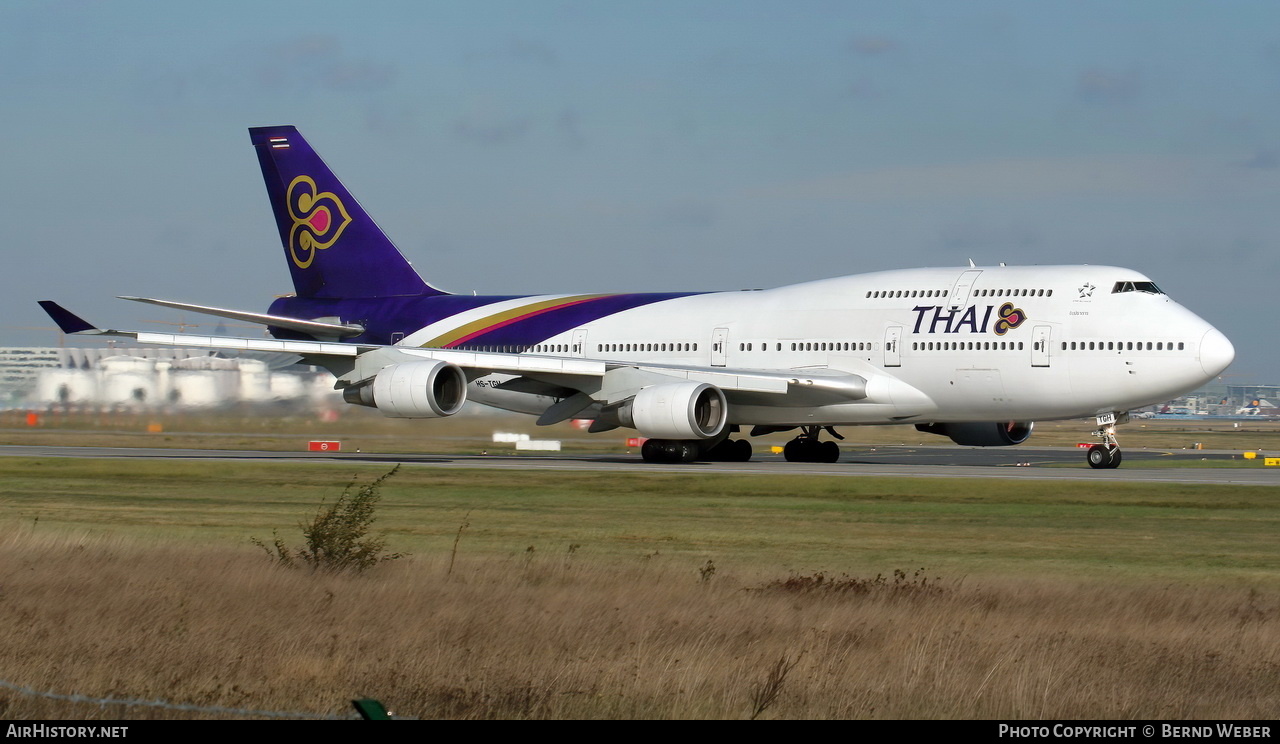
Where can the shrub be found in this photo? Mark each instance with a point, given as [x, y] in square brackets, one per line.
[337, 538]
[903, 585]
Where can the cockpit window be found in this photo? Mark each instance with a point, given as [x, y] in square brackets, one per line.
[1148, 287]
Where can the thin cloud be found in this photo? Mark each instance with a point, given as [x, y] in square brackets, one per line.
[871, 46]
[319, 62]
[526, 50]
[491, 130]
[984, 238]
[1015, 179]
[686, 214]
[1262, 160]
[570, 130]
[1107, 87]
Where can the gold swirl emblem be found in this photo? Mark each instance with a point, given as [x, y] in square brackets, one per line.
[318, 220]
[1010, 317]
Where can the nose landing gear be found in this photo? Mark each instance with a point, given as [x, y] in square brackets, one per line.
[1107, 454]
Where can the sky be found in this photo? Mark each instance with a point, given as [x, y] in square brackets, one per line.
[540, 146]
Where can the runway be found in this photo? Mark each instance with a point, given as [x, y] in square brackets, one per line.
[856, 461]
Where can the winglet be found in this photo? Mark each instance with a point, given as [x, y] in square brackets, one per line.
[68, 321]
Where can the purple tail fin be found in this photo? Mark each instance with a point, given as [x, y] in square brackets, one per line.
[333, 249]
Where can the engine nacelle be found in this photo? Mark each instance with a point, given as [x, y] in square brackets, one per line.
[982, 433]
[427, 389]
[680, 410]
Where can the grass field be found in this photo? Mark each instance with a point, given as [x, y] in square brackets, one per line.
[640, 595]
[1191, 533]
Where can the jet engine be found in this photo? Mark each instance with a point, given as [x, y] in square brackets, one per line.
[982, 433]
[679, 410]
[428, 389]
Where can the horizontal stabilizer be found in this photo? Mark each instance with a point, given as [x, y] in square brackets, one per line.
[312, 327]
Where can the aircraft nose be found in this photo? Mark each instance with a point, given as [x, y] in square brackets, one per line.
[1216, 352]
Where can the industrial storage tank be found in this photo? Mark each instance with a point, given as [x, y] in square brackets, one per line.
[62, 386]
[255, 381]
[127, 380]
[201, 382]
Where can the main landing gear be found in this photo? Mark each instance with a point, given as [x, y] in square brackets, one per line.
[669, 450]
[689, 450]
[1107, 454]
[807, 447]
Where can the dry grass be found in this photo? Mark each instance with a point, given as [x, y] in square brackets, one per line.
[542, 635]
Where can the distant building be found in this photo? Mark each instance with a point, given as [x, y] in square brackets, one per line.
[1244, 395]
[154, 378]
[19, 367]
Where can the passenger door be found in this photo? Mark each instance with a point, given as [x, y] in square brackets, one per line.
[892, 352]
[1040, 337]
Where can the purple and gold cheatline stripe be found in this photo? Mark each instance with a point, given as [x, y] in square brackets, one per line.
[465, 333]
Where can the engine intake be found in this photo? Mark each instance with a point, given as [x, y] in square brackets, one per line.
[679, 410]
[982, 433]
[413, 390]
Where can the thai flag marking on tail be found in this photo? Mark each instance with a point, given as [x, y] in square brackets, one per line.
[279, 143]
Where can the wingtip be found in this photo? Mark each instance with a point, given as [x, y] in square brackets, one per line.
[68, 321]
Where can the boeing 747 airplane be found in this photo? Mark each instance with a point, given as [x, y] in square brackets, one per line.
[975, 354]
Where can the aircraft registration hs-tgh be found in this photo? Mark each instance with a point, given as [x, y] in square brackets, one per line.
[974, 354]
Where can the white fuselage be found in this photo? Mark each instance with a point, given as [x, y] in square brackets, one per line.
[935, 345]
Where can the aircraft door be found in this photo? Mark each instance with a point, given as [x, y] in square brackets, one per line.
[892, 352]
[719, 347]
[960, 292]
[1040, 336]
[578, 345]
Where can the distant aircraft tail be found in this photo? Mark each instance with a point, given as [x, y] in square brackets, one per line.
[333, 248]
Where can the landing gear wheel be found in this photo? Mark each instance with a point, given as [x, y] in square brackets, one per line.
[729, 450]
[651, 450]
[669, 450]
[1107, 454]
[797, 450]
[807, 448]
[1103, 456]
[678, 450]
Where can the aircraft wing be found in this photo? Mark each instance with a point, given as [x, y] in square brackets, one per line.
[70, 323]
[600, 380]
[313, 327]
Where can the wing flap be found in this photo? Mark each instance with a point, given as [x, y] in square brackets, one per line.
[244, 344]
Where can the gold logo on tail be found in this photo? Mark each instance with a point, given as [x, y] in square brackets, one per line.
[318, 220]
